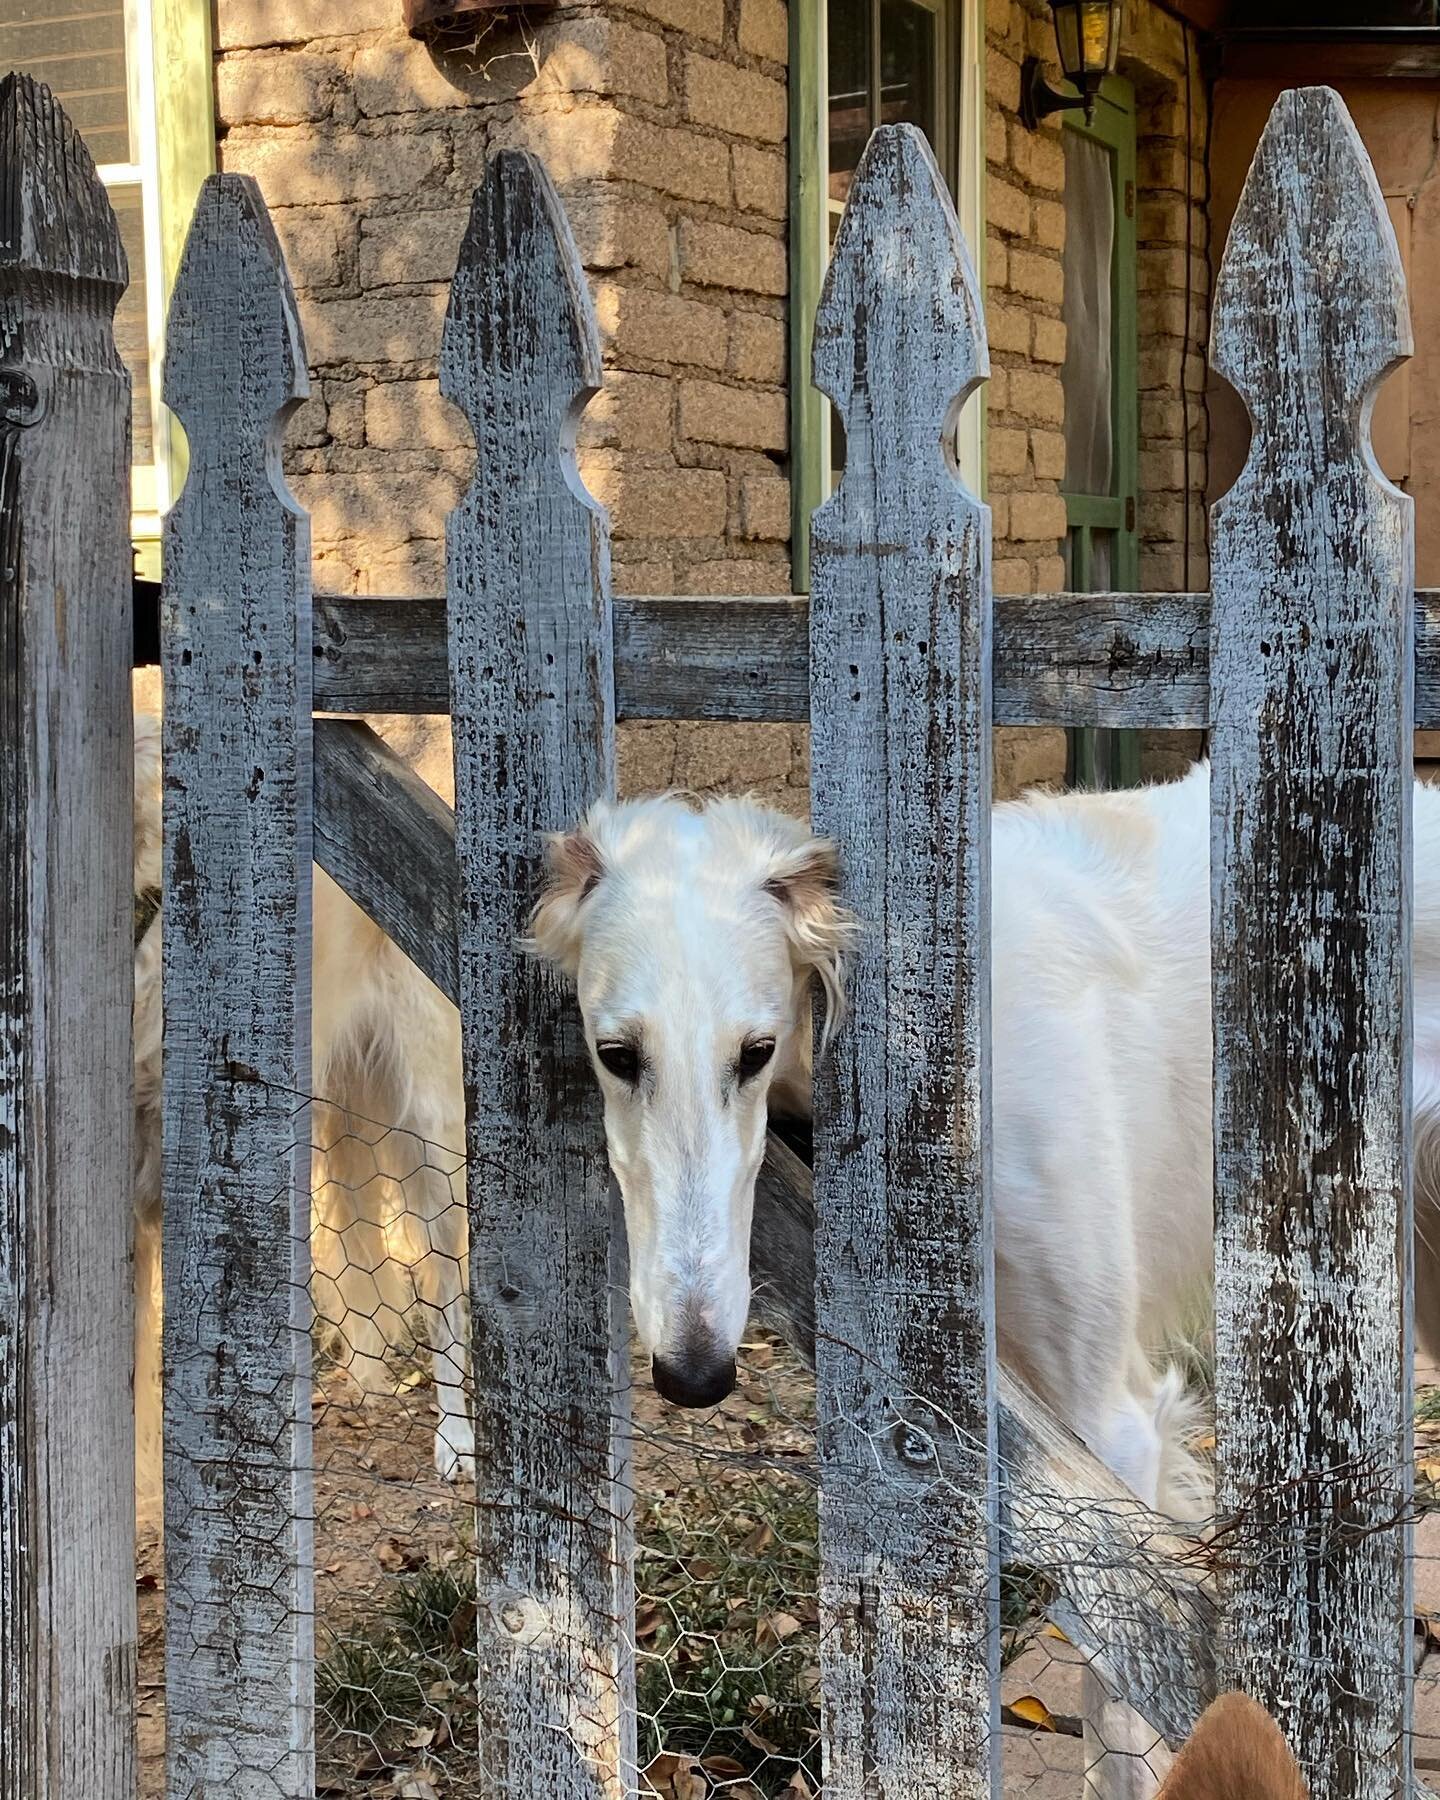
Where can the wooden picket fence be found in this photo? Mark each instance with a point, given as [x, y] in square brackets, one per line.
[935, 1464]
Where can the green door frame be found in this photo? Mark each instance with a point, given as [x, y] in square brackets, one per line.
[1098, 758]
[961, 117]
[809, 252]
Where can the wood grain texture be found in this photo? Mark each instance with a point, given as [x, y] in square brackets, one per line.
[1312, 561]
[1115, 660]
[533, 706]
[900, 733]
[67, 1590]
[382, 833]
[1064, 1515]
[237, 815]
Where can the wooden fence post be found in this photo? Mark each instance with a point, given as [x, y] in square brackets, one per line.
[237, 662]
[533, 704]
[900, 721]
[67, 1506]
[1311, 676]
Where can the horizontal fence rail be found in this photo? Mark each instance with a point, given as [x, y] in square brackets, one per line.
[1125, 661]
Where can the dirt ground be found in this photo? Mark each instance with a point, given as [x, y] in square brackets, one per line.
[726, 1629]
[385, 1522]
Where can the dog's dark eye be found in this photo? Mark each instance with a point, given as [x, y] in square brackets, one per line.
[621, 1058]
[754, 1057]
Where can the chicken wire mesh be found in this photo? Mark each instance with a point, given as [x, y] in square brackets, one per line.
[726, 1636]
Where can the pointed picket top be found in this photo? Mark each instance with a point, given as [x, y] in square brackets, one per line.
[1310, 305]
[234, 353]
[55, 215]
[520, 349]
[900, 312]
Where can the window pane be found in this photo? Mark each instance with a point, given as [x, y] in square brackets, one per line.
[132, 325]
[908, 67]
[1088, 374]
[849, 85]
[77, 47]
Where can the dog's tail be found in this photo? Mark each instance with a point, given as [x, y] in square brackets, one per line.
[1185, 1488]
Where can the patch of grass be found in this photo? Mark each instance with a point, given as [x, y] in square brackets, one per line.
[403, 1681]
[727, 1627]
[727, 1643]
[364, 1691]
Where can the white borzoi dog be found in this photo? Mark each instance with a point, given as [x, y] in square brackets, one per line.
[692, 936]
[695, 935]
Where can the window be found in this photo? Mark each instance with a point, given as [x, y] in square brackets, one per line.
[1101, 384]
[857, 64]
[134, 76]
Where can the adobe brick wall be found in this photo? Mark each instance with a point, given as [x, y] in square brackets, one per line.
[1025, 211]
[664, 124]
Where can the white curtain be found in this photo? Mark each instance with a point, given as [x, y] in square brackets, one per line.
[1089, 249]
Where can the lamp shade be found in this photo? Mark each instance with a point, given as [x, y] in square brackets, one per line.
[1087, 37]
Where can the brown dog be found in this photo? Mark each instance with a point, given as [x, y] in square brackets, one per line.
[1236, 1752]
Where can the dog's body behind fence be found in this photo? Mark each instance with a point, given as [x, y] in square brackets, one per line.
[388, 1128]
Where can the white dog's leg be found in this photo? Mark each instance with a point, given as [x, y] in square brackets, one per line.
[149, 1393]
[435, 1221]
[1125, 1757]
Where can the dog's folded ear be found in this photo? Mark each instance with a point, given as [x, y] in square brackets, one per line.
[1236, 1752]
[804, 878]
[573, 870]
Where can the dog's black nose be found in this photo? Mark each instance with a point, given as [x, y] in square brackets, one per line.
[689, 1381]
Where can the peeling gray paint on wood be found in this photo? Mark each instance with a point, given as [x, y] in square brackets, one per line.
[237, 811]
[1125, 661]
[67, 1522]
[533, 705]
[900, 722]
[1311, 661]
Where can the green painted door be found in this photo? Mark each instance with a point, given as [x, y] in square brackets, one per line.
[1101, 381]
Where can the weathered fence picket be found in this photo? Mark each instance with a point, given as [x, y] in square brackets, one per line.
[237, 632]
[67, 1524]
[900, 754]
[1311, 655]
[533, 704]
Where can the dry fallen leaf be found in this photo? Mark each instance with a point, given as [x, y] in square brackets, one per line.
[391, 1554]
[1033, 1711]
[724, 1768]
[798, 1787]
[676, 1777]
[775, 1627]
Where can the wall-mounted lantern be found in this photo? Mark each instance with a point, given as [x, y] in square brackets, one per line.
[1087, 37]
